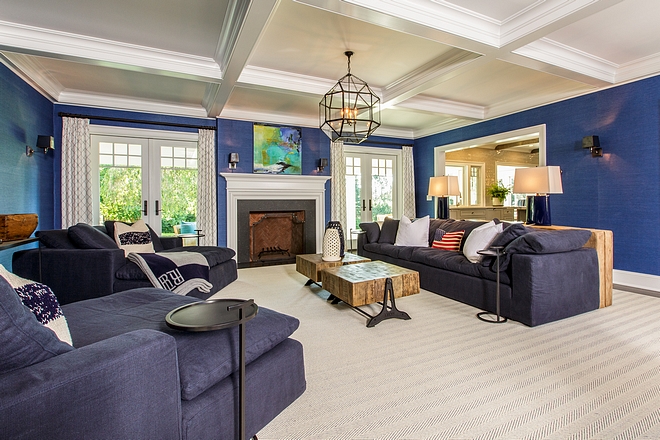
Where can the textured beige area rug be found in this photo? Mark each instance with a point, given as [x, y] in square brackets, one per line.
[446, 375]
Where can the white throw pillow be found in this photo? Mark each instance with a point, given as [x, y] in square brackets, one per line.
[134, 238]
[413, 233]
[479, 239]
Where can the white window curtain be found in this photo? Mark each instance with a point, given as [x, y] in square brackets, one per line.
[338, 184]
[207, 219]
[77, 199]
[408, 182]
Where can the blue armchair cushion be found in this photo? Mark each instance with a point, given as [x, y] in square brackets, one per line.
[205, 358]
[55, 239]
[85, 236]
[24, 340]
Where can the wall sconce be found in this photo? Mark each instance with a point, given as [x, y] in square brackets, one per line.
[44, 142]
[323, 162]
[593, 143]
[233, 160]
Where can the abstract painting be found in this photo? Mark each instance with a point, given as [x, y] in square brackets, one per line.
[277, 150]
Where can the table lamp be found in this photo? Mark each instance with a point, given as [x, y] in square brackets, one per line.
[542, 181]
[442, 187]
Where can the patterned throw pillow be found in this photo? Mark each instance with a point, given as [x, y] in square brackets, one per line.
[134, 238]
[450, 241]
[42, 302]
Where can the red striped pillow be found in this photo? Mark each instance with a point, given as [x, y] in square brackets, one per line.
[451, 241]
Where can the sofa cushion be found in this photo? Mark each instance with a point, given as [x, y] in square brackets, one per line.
[455, 262]
[372, 230]
[133, 238]
[479, 239]
[55, 239]
[41, 301]
[462, 225]
[205, 358]
[509, 234]
[437, 224]
[155, 239]
[384, 249]
[413, 233]
[85, 236]
[388, 231]
[24, 340]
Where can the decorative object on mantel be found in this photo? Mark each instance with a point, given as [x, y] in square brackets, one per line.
[542, 181]
[334, 224]
[331, 245]
[44, 142]
[442, 187]
[277, 150]
[17, 226]
[350, 111]
[498, 192]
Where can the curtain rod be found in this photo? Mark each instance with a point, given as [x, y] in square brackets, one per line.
[135, 121]
[384, 143]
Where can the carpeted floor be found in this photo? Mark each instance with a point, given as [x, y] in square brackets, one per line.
[446, 375]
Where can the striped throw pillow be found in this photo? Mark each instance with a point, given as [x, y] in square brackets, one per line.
[451, 241]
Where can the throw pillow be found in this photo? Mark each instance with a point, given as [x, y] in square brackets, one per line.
[188, 227]
[509, 234]
[88, 237]
[413, 233]
[134, 238]
[55, 239]
[479, 239]
[451, 241]
[23, 340]
[388, 231]
[42, 303]
[372, 230]
[155, 239]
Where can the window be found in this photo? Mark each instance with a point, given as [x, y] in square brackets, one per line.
[470, 183]
[506, 173]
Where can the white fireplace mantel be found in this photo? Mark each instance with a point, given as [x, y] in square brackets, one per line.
[243, 186]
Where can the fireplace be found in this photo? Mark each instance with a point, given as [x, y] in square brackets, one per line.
[276, 237]
[269, 193]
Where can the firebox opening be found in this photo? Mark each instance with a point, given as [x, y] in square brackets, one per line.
[276, 237]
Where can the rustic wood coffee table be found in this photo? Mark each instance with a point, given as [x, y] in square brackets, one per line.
[368, 283]
[311, 265]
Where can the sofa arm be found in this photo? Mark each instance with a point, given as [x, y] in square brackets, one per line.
[549, 287]
[120, 388]
[171, 242]
[72, 274]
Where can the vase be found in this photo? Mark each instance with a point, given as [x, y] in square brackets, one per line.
[497, 201]
[331, 245]
[333, 224]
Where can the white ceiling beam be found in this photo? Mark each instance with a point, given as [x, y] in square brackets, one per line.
[445, 107]
[264, 78]
[254, 23]
[96, 51]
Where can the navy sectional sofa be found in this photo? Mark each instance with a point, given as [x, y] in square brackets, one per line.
[544, 275]
[84, 262]
[129, 376]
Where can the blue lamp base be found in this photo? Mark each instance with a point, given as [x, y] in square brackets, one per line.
[443, 208]
[538, 210]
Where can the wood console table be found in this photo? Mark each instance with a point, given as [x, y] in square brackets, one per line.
[603, 241]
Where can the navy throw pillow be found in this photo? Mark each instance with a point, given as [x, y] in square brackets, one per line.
[509, 234]
[372, 230]
[23, 339]
[388, 231]
[88, 237]
[55, 239]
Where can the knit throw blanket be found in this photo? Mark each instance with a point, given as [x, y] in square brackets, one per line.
[179, 272]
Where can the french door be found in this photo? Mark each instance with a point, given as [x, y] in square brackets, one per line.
[150, 179]
[372, 186]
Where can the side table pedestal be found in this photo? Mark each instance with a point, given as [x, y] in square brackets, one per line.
[494, 251]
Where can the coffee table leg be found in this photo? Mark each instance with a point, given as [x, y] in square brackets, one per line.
[333, 299]
[392, 311]
[310, 282]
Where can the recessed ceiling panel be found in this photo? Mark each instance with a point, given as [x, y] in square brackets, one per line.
[411, 119]
[500, 82]
[310, 41]
[625, 32]
[500, 10]
[191, 27]
[264, 101]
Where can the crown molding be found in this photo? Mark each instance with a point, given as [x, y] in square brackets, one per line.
[72, 47]
[638, 69]
[444, 106]
[32, 72]
[129, 104]
[557, 54]
[277, 79]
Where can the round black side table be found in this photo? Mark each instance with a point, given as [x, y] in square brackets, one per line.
[493, 251]
[216, 314]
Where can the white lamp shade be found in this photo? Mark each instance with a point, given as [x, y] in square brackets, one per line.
[443, 186]
[539, 180]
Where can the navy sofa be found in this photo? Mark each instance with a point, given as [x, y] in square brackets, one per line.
[544, 275]
[84, 262]
[129, 376]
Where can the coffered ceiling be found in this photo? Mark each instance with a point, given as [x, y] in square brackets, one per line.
[436, 64]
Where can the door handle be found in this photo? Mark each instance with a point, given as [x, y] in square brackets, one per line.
[364, 205]
[369, 204]
[157, 208]
[144, 209]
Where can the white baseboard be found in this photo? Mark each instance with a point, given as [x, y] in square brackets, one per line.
[637, 280]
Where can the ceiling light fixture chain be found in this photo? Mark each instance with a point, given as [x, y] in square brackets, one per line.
[350, 111]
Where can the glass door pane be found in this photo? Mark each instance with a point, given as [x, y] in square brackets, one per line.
[354, 193]
[178, 184]
[382, 188]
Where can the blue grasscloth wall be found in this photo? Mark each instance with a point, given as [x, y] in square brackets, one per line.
[27, 182]
[618, 192]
